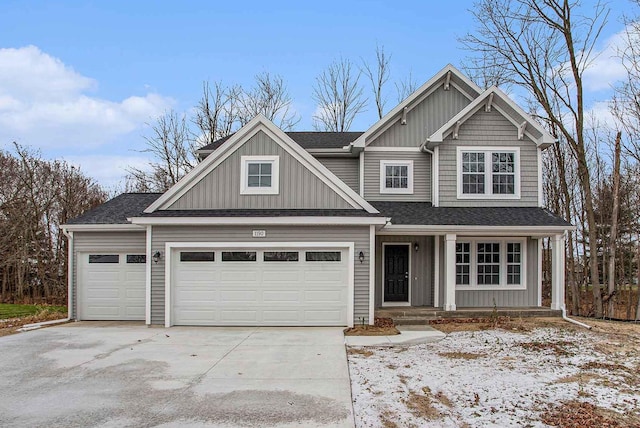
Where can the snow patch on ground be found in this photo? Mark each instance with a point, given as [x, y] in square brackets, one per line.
[489, 378]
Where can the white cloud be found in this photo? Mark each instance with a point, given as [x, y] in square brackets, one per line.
[606, 69]
[108, 170]
[599, 114]
[45, 103]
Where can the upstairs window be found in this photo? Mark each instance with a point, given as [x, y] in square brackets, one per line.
[396, 176]
[490, 173]
[260, 175]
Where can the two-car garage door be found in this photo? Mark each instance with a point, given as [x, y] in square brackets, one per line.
[268, 286]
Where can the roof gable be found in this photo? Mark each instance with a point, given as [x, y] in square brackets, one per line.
[231, 145]
[494, 98]
[447, 77]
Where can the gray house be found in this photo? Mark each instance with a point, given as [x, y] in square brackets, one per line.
[438, 204]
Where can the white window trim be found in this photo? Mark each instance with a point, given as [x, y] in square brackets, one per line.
[473, 270]
[488, 184]
[274, 189]
[408, 164]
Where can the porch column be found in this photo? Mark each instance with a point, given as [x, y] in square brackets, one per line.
[557, 272]
[449, 301]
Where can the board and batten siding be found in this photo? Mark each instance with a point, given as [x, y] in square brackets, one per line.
[111, 242]
[421, 176]
[424, 119]
[503, 298]
[346, 169]
[299, 187]
[421, 267]
[485, 129]
[359, 235]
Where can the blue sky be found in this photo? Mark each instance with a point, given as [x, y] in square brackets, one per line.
[79, 80]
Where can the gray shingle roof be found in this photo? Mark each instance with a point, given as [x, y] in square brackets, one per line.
[308, 140]
[118, 209]
[423, 213]
[264, 213]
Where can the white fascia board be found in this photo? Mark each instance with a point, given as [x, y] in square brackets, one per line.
[298, 221]
[439, 135]
[103, 227]
[476, 230]
[279, 137]
[361, 141]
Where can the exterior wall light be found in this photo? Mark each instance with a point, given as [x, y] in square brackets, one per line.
[361, 257]
[416, 247]
[156, 256]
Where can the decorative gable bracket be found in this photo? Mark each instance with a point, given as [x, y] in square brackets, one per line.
[521, 129]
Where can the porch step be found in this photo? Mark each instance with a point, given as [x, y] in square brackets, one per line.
[422, 316]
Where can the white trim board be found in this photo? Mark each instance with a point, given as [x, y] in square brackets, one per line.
[126, 227]
[302, 221]
[170, 246]
[409, 279]
[260, 123]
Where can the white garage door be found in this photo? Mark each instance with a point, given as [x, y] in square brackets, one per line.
[293, 287]
[111, 286]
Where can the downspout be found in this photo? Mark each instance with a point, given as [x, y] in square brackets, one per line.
[423, 147]
[37, 325]
[566, 318]
[564, 308]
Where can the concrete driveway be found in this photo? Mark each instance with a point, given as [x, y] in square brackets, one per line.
[96, 374]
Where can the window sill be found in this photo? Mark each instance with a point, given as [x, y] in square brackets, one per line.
[265, 191]
[490, 287]
[488, 197]
[396, 191]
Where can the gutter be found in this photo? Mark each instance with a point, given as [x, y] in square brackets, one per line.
[423, 147]
[566, 318]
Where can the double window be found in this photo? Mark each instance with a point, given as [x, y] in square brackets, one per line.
[491, 173]
[396, 176]
[260, 175]
[489, 264]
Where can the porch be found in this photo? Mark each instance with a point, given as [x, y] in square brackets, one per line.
[413, 315]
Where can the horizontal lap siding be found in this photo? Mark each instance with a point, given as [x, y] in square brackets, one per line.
[421, 268]
[347, 170]
[357, 234]
[101, 241]
[507, 298]
[421, 176]
[299, 187]
[488, 129]
[423, 120]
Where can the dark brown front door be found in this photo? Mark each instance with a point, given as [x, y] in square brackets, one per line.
[396, 273]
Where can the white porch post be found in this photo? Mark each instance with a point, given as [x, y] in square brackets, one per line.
[449, 301]
[557, 272]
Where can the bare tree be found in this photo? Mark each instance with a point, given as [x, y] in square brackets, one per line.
[406, 87]
[339, 97]
[544, 47]
[626, 101]
[216, 114]
[378, 76]
[613, 236]
[269, 97]
[173, 155]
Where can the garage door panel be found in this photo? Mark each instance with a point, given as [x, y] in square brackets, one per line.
[318, 316]
[280, 296]
[239, 316]
[238, 295]
[260, 292]
[194, 317]
[231, 276]
[111, 291]
[324, 296]
[280, 276]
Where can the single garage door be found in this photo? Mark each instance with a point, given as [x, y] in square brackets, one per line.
[111, 286]
[272, 287]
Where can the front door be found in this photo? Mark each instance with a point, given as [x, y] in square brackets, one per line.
[396, 273]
